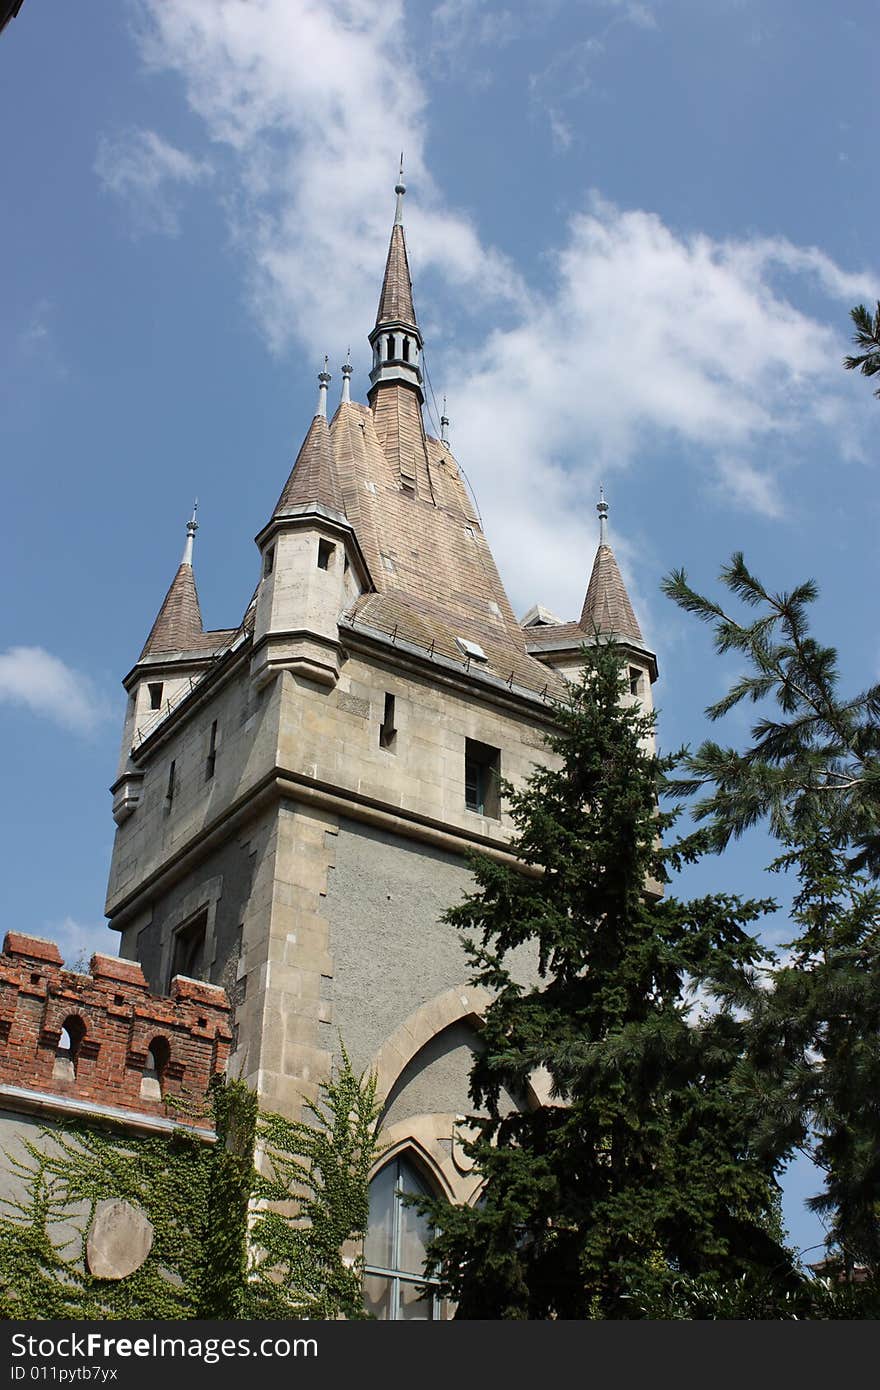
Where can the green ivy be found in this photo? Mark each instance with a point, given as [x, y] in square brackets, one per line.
[198, 1197]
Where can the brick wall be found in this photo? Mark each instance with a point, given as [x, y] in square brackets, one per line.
[112, 1021]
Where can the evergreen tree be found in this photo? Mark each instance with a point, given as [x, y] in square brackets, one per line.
[640, 1163]
[812, 1080]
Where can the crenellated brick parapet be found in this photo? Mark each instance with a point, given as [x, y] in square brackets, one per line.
[102, 1039]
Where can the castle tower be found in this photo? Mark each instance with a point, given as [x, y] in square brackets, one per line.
[331, 762]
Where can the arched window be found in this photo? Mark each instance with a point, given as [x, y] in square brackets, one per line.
[157, 1060]
[389, 348]
[73, 1030]
[394, 1250]
[406, 349]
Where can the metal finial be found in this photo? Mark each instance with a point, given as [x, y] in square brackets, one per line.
[323, 383]
[399, 189]
[602, 509]
[191, 527]
[444, 425]
[347, 370]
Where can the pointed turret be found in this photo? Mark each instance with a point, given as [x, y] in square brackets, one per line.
[313, 480]
[178, 626]
[396, 339]
[607, 606]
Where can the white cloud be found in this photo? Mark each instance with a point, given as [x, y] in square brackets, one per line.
[33, 677]
[78, 941]
[646, 339]
[145, 170]
[314, 104]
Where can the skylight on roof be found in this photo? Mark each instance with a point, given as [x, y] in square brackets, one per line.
[471, 649]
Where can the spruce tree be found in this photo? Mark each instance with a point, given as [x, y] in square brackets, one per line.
[639, 1164]
[811, 773]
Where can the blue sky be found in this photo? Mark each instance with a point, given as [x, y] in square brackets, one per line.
[636, 230]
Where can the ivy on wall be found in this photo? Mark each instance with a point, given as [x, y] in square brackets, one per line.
[197, 1196]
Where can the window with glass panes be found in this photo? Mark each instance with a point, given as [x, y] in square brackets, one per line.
[394, 1250]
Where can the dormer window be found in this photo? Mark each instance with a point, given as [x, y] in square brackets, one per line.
[472, 650]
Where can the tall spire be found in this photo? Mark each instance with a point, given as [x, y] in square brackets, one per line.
[607, 606]
[396, 339]
[178, 626]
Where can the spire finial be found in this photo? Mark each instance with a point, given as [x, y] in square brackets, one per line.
[323, 383]
[191, 527]
[444, 425]
[347, 370]
[399, 189]
[602, 509]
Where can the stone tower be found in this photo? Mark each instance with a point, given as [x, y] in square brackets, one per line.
[296, 795]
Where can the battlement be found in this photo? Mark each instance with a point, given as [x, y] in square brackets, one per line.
[102, 1038]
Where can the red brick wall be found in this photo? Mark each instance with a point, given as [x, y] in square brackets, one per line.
[121, 1019]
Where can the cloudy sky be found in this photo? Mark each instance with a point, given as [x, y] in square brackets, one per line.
[636, 230]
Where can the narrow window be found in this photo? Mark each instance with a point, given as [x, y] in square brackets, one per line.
[482, 770]
[406, 349]
[211, 761]
[189, 949]
[396, 1248]
[157, 1060]
[387, 731]
[269, 560]
[169, 792]
[67, 1052]
[325, 550]
[155, 688]
[635, 680]
[389, 348]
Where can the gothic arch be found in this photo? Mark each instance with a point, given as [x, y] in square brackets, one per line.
[461, 1003]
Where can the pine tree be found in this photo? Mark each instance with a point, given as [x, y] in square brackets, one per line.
[640, 1163]
[812, 773]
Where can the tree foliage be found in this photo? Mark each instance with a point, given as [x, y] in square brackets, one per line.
[640, 1163]
[866, 337]
[811, 1077]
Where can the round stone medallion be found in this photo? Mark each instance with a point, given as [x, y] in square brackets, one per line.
[120, 1239]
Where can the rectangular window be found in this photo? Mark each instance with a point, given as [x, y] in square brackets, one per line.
[482, 772]
[169, 793]
[269, 560]
[155, 688]
[635, 680]
[188, 957]
[325, 550]
[211, 761]
[387, 731]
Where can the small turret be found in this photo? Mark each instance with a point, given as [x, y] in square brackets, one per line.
[311, 564]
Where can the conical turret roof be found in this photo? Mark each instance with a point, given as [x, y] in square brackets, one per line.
[178, 625]
[607, 606]
[313, 480]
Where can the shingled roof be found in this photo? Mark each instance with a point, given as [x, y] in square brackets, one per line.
[178, 625]
[313, 480]
[396, 300]
[607, 607]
